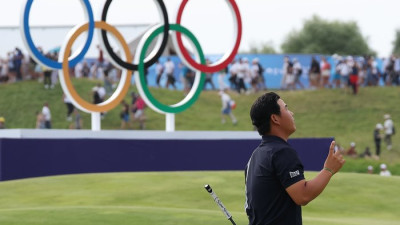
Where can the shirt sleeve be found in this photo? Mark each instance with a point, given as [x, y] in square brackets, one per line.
[288, 167]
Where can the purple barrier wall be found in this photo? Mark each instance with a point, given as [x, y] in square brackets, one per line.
[23, 158]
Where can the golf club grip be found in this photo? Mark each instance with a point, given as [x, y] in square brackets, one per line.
[219, 203]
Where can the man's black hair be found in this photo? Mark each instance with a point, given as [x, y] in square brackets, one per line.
[261, 111]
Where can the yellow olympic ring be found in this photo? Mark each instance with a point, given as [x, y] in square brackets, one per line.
[65, 79]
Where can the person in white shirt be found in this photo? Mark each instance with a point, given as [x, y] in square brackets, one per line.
[284, 72]
[243, 70]
[255, 75]
[388, 128]
[344, 71]
[101, 91]
[384, 171]
[298, 71]
[159, 72]
[47, 115]
[227, 105]
[169, 70]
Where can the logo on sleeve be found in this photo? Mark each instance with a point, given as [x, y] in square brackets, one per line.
[294, 174]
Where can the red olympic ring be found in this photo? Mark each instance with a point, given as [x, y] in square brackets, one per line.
[226, 59]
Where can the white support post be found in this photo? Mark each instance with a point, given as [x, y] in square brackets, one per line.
[169, 122]
[96, 121]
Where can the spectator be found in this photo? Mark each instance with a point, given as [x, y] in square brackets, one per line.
[3, 71]
[376, 73]
[79, 70]
[389, 70]
[70, 107]
[102, 92]
[77, 122]
[345, 70]
[261, 80]
[40, 123]
[188, 78]
[336, 76]
[370, 169]
[93, 71]
[389, 128]
[46, 115]
[85, 69]
[17, 61]
[384, 171]
[233, 70]
[2, 123]
[108, 82]
[227, 105]
[247, 76]
[169, 70]
[159, 72]
[255, 75]
[352, 150]
[314, 73]
[209, 77]
[354, 77]
[96, 96]
[290, 77]
[298, 71]
[366, 153]
[325, 73]
[377, 139]
[286, 62]
[100, 59]
[221, 79]
[47, 77]
[138, 109]
[124, 115]
[242, 70]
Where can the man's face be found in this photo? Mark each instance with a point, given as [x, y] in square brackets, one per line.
[286, 118]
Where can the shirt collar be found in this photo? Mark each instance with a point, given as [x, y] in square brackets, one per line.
[270, 138]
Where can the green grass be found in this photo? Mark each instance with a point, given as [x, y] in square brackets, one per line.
[320, 113]
[178, 198]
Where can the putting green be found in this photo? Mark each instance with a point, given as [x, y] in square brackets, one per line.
[178, 198]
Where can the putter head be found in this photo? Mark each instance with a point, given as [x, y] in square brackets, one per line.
[208, 188]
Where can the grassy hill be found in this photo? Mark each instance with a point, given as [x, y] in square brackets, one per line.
[178, 198]
[320, 113]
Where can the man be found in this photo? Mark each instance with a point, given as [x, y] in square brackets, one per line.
[227, 106]
[169, 70]
[388, 126]
[275, 184]
[159, 72]
[46, 115]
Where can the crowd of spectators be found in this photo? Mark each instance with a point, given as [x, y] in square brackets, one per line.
[243, 75]
[349, 73]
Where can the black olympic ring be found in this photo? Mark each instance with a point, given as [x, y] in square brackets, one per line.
[150, 62]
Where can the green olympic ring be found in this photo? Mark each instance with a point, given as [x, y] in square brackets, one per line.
[140, 78]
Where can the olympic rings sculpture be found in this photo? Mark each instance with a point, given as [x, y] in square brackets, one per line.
[129, 63]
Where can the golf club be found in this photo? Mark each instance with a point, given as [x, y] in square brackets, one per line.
[219, 203]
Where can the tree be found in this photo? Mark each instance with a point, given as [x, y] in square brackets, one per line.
[324, 37]
[396, 43]
[261, 48]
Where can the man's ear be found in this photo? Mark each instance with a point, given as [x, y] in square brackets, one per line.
[275, 119]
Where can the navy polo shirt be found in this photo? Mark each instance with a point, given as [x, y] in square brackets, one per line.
[273, 167]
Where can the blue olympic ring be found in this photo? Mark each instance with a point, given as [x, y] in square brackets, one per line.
[38, 55]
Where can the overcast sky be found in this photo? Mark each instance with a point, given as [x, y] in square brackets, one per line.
[211, 20]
